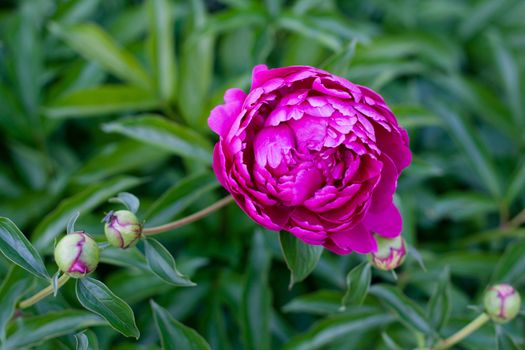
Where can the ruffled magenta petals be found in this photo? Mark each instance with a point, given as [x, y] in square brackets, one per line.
[313, 154]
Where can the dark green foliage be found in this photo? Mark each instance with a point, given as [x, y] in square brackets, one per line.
[99, 97]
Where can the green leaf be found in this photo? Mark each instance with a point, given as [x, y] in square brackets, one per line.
[163, 265]
[332, 328]
[440, 306]
[157, 131]
[130, 258]
[465, 263]
[196, 69]
[70, 227]
[481, 15]
[173, 334]
[129, 200]
[95, 44]
[117, 158]
[17, 248]
[92, 339]
[30, 331]
[415, 116]
[28, 58]
[482, 100]
[54, 283]
[461, 206]
[306, 27]
[82, 341]
[101, 100]
[428, 48]
[84, 201]
[14, 286]
[357, 285]
[504, 341]
[407, 311]
[136, 286]
[181, 195]
[473, 149]
[161, 44]
[301, 258]
[509, 72]
[96, 297]
[322, 302]
[517, 183]
[511, 265]
[389, 342]
[256, 297]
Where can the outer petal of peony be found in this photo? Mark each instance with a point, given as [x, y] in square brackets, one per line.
[222, 117]
[387, 223]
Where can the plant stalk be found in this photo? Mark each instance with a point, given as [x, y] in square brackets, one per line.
[464, 332]
[43, 293]
[517, 220]
[188, 219]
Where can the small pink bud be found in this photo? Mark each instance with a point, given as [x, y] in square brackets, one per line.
[502, 303]
[77, 254]
[390, 253]
[122, 229]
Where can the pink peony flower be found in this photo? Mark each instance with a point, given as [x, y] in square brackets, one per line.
[313, 154]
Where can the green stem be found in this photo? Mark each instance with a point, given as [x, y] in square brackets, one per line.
[517, 220]
[188, 219]
[464, 332]
[43, 293]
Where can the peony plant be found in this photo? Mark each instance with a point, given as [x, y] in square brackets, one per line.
[304, 151]
[296, 214]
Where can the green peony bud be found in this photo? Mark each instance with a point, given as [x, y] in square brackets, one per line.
[122, 228]
[77, 254]
[390, 253]
[502, 303]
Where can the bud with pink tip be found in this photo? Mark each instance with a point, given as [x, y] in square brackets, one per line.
[77, 254]
[390, 253]
[122, 229]
[502, 303]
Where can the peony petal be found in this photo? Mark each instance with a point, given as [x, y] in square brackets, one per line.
[395, 146]
[357, 238]
[261, 73]
[387, 223]
[318, 85]
[218, 165]
[222, 117]
[384, 190]
[331, 246]
[302, 187]
[272, 145]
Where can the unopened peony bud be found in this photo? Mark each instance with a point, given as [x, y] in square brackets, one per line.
[122, 228]
[502, 303]
[77, 254]
[390, 253]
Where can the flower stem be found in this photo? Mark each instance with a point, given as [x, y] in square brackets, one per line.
[188, 219]
[517, 220]
[43, 293]
[464, 332]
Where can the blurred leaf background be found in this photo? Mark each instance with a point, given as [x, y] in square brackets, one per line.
[103, 96]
